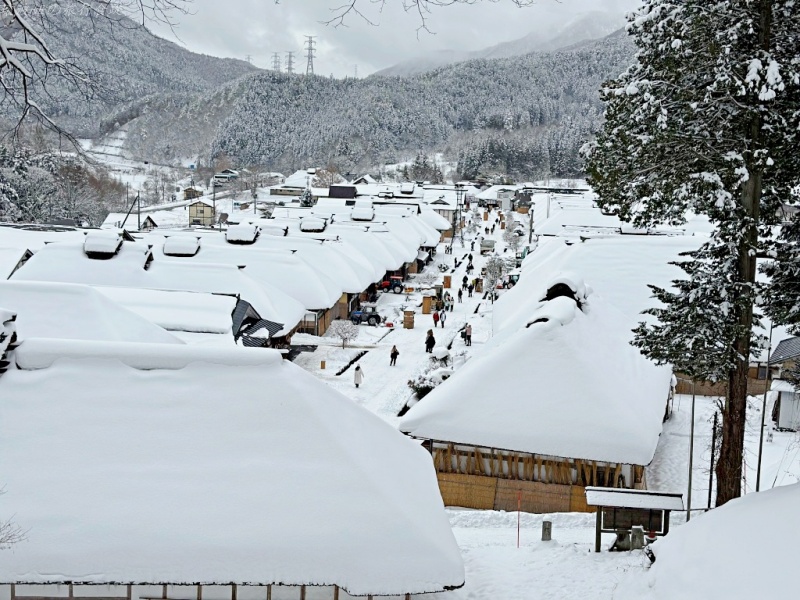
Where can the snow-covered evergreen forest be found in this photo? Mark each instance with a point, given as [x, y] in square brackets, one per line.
[523, 116]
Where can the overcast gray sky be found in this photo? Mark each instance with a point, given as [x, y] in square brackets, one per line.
[237, 28]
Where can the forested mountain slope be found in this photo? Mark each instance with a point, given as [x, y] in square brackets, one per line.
[521, 115]
[590, 26]
[126, 63]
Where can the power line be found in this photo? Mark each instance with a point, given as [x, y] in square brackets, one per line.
[290, 62]
[276, 62]
[310, 50]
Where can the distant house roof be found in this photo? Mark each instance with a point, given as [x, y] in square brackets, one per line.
[342, 191]
[787, 349]
[364, 180]
[244, 467]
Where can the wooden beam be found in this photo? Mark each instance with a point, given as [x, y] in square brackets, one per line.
[598, 524]
[199, 591]
[234, 591]
[71, 592]
[336, 592]
[13, 591]
[129, 592]
[164, 590]
[302, 592]
[269, 591]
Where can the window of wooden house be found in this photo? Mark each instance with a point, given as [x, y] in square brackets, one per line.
[762, 372]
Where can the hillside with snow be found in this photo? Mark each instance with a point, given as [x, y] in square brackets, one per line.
[590, 26]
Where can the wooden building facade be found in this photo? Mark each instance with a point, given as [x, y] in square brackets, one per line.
[494, 479]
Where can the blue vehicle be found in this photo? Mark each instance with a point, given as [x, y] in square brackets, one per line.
[368, 313]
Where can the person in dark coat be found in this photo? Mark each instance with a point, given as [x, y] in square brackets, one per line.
[469, 290]
[464, 282]
[430, 341]
[460, 294]
[393, 356]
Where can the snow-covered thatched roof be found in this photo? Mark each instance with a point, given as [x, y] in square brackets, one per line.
[282, 269]
[68, 263]
[562, 381]
[78, 312]
[195, 465]
[744, 549]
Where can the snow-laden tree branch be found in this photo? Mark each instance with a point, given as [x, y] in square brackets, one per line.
[28, 62]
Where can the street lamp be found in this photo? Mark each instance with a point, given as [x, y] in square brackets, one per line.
[460, 191]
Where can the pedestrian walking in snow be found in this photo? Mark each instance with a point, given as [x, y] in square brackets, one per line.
[472, 245]
[464, 282]
[468, 334]
[358, 376]
[442, 318]
[469, 289]
[393, 356]
[430, 341]
[435, 318]
[469, 256]
[460, 294]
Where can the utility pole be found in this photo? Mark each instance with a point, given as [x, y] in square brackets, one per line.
[355, 70]
[276, 62]
[290, 62]
[691, 454]
[249, 58]
[310, 50]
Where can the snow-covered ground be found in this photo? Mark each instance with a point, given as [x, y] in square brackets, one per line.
[566, 567]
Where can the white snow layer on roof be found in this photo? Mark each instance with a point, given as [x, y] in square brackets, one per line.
[744, 549]
[434, 219]
[279, 268]
[210, 473]
[102, 241]
[79, 312]
[625, 498]
[244, 232]
[193, 312]
[181, 245]
[570, 386]
[68, 263]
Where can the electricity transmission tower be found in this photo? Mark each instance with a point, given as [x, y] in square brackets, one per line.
[290, 62]
[276, 62]
[355, 71]
[310, 49]
[249, 59]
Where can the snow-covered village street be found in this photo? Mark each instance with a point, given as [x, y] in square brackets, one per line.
[399, 299]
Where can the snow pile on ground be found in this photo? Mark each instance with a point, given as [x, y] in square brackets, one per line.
[745, 549]
[158, 465]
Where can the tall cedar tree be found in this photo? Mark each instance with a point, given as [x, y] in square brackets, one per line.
[706, 121]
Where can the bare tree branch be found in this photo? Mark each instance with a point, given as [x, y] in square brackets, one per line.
[27, 61]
